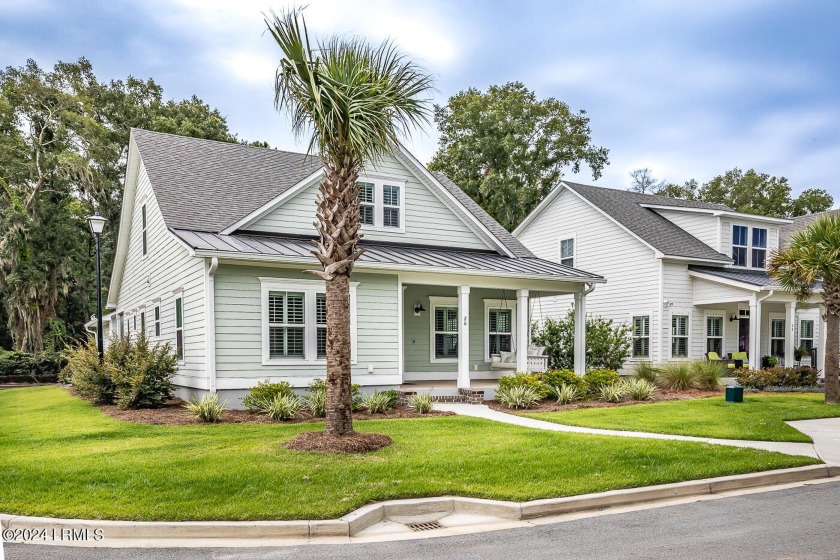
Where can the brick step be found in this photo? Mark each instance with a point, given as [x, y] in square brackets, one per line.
[469, 396]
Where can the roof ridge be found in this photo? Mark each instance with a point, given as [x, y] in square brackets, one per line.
[223, 142]
[634, 194]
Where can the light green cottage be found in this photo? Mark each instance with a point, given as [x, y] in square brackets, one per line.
[214, 245]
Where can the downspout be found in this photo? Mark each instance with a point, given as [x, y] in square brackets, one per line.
[210, 322]
[660, 337]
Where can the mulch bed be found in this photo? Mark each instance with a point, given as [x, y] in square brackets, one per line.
[350, 443]
[660, 395]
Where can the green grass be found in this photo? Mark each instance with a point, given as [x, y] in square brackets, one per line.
[759, 417]
[62, 457]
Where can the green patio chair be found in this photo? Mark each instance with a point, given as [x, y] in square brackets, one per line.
[739, 356]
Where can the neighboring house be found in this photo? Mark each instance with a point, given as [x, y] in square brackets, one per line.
[689, 277]
[214, 245]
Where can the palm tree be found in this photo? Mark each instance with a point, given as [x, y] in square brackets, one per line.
[813, 255]
[354, 99]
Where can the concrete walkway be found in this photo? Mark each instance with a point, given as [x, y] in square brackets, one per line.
[825, 444]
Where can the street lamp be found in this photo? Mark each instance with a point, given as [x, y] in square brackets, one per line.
[97, 224]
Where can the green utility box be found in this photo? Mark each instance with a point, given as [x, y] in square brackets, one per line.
[735, 394]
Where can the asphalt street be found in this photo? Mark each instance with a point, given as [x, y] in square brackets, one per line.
[794, 524]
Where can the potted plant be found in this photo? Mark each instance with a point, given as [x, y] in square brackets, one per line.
[800, 353]
[769, 361]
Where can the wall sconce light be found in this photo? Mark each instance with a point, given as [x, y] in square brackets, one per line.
[733, 317]
[418, 309]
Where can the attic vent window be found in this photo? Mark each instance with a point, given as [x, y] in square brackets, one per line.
[382, 204]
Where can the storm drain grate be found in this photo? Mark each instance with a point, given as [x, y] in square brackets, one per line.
[425, 526]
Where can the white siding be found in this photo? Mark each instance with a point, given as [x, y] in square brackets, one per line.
[166, 267]
[702, 226]
[708, 291]
[726, 234]
[602, 247]
[427, 220]
[239, 328]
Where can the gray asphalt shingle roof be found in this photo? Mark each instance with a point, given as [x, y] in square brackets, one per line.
[800, 223]
[758, 278]
[398, 255]
[206, 185]
[626, 208]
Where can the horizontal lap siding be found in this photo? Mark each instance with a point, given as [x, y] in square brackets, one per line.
[427, 220]
[167, 266]
[602, 247]
[702, 226]
[239, 324]
[726, 234]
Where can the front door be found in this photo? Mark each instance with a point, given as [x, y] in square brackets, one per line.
[744, 335]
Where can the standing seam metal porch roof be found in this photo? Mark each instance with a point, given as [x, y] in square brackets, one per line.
[399, 255]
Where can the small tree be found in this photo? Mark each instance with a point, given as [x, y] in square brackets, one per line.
[813, 255]
[607, 343]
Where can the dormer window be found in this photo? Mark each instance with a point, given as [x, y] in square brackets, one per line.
[739, 245]
[381, 204]
[749, 246]
[759, 247]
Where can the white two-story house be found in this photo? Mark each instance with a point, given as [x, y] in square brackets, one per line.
[215, 240]
[689, 277]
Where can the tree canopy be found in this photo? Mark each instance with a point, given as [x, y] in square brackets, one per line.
[507, 149]
[63, 149]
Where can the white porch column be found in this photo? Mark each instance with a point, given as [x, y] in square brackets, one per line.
[580, 333]
[464, 337]
[823, 338]
[790, 336]
[755, 334]
[523, 330]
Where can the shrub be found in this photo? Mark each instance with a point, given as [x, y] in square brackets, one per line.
[379, 401]
[90, 378]
[284, 406]
[142, 373]
[611, 393]
[316, 399]
[558, 377]
[646, 371]
[597, 378]
[421, 403]
[518, 396]
[677, 376]
[708, 374]
[797, 376]
[21, 367]
[564, 394]
[208, 409]
[534, 381]
[607, 343]
[758, 378]
[639, 389]
[265, 392]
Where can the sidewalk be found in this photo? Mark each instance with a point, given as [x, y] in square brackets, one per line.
[826, 434]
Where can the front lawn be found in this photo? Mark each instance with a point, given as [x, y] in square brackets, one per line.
[62, 457]
[759, 417]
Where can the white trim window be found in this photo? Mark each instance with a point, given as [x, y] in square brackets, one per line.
[739, 245]
[759, 247]
[294, 321]
[641, 336]
[143, 323]
[443, 326]
[714, 334]
[679, 336]
[179, 328]
[382, 204]
[143, 230]
[806, 334]
[777, 337]
[499, 327]
[567, 252]
[157, 320]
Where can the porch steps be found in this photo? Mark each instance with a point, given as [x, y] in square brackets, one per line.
[445, 395]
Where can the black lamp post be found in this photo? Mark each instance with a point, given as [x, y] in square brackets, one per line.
[97, 224]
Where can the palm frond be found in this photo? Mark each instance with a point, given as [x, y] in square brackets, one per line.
[812, 255]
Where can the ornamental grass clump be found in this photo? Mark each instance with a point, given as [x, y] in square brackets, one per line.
[639, 389]
[263, 393]
[282, 407]
[379, 402]
[612, 393]
[677, 376]
[646, 371]
[708, 374]
[564, 394]
[518, 396]
[421, 403]
[208, 409]
[315, 400]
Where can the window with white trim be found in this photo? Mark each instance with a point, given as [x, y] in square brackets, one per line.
[382, 204]
[499, 330]
[444, 329]
[121, 319]
[739, 245]
[641, 336]
[714, 334]
[179, 328]
[157, 320]
[143, 323]
[679, 336]
[567, 252]
[294, 321]
[777, 337]
[143, 229]
[759, 247]
[806, 334]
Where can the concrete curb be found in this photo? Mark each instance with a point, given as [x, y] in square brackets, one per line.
[420, 508]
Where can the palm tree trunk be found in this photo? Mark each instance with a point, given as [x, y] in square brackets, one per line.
[339, 393]
[832, 357]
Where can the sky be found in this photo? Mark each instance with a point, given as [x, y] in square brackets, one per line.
[687, 89]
